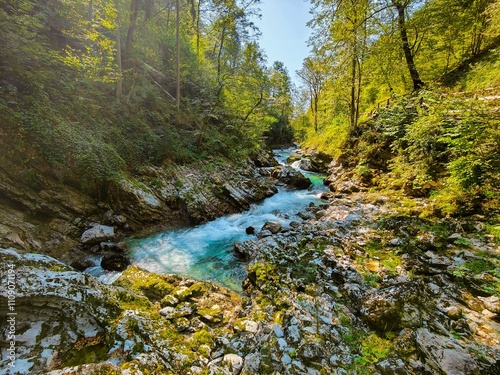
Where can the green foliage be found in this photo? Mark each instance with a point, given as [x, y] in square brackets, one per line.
[330, 138]
[435, 144]
[375, 348]
[479, 265]
[89, 115]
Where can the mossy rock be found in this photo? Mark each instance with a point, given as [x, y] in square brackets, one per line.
[169, 300]
[202, 337]
[153, 286]
[212, 315]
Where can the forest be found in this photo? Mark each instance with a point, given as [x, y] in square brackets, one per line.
[93, 90]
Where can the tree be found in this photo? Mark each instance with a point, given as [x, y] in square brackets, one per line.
[313, 75]
[280, 104]
[341, 35]
[178, 54]
[401, 7]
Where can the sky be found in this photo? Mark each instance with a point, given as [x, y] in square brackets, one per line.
[284, 32]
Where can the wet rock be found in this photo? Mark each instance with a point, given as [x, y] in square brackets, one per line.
[120, 247]
[443, 354]
[290, 177]
[248, 249]
[82, 264]
[292, 159]
[305, 216]
[272, 227]
[97, 234]
[305, 164]
[264, 158]
[319, 161]
[264, 234]
[250, 230]
[325, 196]
[115, 262]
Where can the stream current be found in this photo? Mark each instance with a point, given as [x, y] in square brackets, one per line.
[205, 252]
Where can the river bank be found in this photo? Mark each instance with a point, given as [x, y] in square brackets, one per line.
[44, 214]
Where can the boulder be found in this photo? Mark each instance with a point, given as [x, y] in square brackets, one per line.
[443, 355]
[234, 361]
[247, 250]
[396, 307]
[272, 227]
[57, 309]
[120, 247]
[264, 158]
[82, 264]
[115, 262]
[290, 177]
[320, 162]
[97, 234]
[305, 164]
[292, 158]
[250, 230]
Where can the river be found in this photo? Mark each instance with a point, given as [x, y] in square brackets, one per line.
[205, 252]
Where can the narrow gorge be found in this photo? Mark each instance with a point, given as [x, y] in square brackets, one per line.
[349, 285]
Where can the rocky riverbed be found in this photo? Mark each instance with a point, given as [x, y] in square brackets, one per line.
[362, 285]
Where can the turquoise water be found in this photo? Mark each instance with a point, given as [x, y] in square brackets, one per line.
[205, 252]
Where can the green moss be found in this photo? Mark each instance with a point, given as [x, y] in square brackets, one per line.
[153, 286]
[85, 354]
[391, 262]
[212, 315]
[131, 301]
[202, 337]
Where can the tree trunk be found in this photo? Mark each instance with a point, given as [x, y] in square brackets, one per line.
[119, 82]
[316, 98]
[219, 55]
[198, 20]
[178, 58]
[358, 95]
[134, 11]
[415, 77]
[352, 104]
